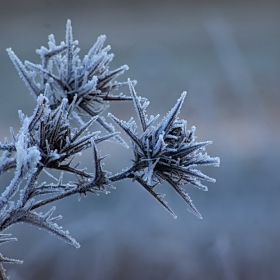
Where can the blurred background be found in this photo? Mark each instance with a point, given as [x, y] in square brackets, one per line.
[226, 55]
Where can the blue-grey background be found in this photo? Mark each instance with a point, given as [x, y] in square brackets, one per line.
[226, 55]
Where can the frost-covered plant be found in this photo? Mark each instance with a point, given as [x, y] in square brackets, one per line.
[80, 90]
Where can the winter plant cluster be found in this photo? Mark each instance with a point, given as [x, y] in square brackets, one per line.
[71, 95]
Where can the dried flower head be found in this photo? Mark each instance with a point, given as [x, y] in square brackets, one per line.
[50, 132]
[88, 82]
[166, 152]
[73, 88]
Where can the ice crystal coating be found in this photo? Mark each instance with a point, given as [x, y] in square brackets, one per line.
[88, 82]
[71, 88]
[167, 151]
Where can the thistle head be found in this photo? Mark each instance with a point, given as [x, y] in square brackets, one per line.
[166, 151]
[50, 131]
[87, 83]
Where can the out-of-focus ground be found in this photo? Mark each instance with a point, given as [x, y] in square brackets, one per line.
[227, 56]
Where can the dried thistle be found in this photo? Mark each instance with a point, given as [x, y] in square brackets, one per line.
[87, 84]
[166, 152]
[47, 140]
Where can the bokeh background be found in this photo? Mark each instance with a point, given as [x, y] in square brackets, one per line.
[226, 54]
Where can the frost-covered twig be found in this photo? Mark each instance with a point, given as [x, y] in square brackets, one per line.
[71, 88]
